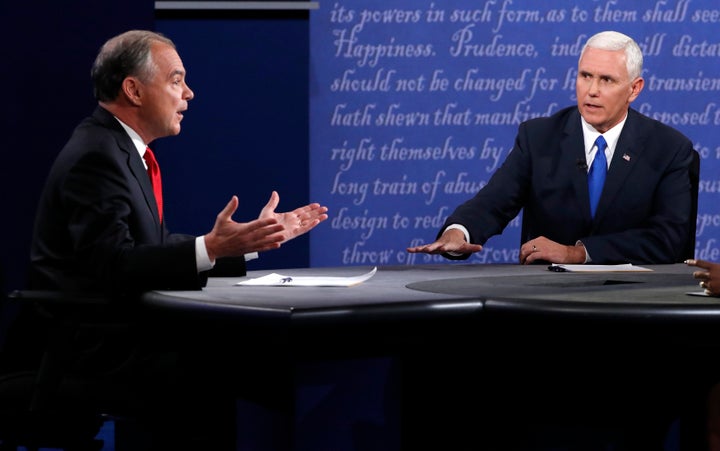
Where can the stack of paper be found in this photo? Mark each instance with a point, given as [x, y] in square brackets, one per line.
[626, 267]
[280, 280]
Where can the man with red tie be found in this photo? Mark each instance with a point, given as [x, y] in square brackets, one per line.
[99, 225]
[100, 228]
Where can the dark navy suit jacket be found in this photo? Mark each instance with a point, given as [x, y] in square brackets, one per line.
[97, 226]
[643, 215]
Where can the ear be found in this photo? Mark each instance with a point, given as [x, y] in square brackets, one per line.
[131, 89]
[636, 86]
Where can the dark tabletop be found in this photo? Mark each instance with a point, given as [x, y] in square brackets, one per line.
[454, 290]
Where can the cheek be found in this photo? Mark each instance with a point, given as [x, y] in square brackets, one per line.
[581, 87]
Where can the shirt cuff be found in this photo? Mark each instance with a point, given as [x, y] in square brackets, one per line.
[202, 259]
[587, 256]
[463, 230]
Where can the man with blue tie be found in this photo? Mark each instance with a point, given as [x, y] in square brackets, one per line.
[629, 202]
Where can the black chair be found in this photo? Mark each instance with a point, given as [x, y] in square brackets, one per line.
[61, 403]
[695, 187]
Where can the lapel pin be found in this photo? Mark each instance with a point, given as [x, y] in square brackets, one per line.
[626, 157]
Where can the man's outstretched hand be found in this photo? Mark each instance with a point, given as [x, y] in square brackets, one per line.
[296, 222]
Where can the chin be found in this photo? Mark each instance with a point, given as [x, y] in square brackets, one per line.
[591, 118]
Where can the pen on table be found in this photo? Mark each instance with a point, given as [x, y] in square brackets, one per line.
[286, 280]
[556, 268]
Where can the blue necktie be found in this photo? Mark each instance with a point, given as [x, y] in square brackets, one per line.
[596, 176]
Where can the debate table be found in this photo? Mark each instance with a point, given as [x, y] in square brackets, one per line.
[496, 327]
[431, 291]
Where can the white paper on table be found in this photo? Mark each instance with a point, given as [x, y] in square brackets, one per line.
[626, 267]
[279, 280]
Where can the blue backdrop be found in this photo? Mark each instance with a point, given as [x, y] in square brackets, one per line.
[465, 72]
[413, 105]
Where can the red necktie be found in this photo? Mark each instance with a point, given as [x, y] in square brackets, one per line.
[154, 172]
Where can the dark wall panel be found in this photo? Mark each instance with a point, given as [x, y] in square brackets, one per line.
[48, 48]
[246, 130]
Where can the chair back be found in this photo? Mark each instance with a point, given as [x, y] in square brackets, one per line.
[689, 251]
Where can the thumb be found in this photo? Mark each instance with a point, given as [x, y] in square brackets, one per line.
[229, 210]
[272, 203]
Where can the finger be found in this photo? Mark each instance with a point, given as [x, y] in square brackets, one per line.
[310, 211]
[318, 211]
[272, 203]
[308, 215]
[531, 257]
[229, 210]
[265, 226]
[265, 239]
[468, 248]
[699, 263]
[305, 226]
[266, 245]
[418, 249]
[306, 208]
[525, 252]
[270, 238]
[425, 249]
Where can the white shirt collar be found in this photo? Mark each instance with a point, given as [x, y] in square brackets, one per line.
[137, 141]
[611, 136]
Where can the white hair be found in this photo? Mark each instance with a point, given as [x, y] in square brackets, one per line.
[613, 40]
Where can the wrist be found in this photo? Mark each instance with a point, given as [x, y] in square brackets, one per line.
[209, 247]
[579, 254]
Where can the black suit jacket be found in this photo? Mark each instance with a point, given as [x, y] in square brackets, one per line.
[97, 226]
[643, 215]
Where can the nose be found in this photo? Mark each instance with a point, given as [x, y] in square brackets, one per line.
[594, 88]
[189, 94]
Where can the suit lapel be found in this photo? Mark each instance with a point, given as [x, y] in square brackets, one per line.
[134, 161]
[572, 147]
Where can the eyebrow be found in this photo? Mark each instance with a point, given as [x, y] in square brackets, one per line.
[586, 72]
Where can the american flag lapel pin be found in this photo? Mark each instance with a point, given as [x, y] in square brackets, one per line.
[626, 157]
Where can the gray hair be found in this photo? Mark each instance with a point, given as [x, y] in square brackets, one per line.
[127, 54]
[613, 40]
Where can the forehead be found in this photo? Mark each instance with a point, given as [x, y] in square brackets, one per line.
[166, 60]
[604, 62]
